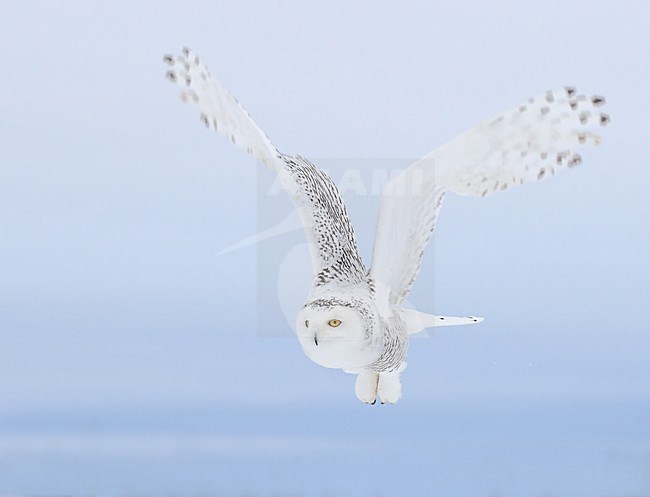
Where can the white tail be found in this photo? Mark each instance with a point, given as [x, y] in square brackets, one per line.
[417, 321]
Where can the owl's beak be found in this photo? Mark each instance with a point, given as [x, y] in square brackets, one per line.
[316, 339]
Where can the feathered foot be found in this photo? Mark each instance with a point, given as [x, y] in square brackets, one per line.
[366, 386]
[389, 388]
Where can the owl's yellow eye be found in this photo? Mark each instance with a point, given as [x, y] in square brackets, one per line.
[334, 323]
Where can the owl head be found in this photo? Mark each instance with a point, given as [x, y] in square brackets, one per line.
[339, 333]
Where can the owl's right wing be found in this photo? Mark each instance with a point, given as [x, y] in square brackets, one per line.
[329, 232]
[530, 142]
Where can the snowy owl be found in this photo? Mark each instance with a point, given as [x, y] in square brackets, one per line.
[354, 318]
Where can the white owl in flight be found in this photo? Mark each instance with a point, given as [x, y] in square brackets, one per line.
[352, 319]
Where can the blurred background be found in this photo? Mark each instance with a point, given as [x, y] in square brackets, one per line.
[135, 361]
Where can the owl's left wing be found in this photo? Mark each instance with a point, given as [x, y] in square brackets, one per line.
[328, 229]
[530, 142]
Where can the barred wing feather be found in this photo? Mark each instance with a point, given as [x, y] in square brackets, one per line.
[327, 226]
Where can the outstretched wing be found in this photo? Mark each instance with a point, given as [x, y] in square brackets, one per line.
[528, 143]
[327, 226]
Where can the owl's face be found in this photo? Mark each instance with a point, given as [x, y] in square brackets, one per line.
[337, 336]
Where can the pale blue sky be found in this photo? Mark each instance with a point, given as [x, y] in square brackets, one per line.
[116, 317]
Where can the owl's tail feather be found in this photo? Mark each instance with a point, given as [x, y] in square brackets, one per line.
[418, 321]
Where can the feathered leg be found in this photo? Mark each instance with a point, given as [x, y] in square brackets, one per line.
[366, 386]
[389, 388]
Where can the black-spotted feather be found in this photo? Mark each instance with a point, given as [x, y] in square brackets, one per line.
[531, 142]
[327, 226]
